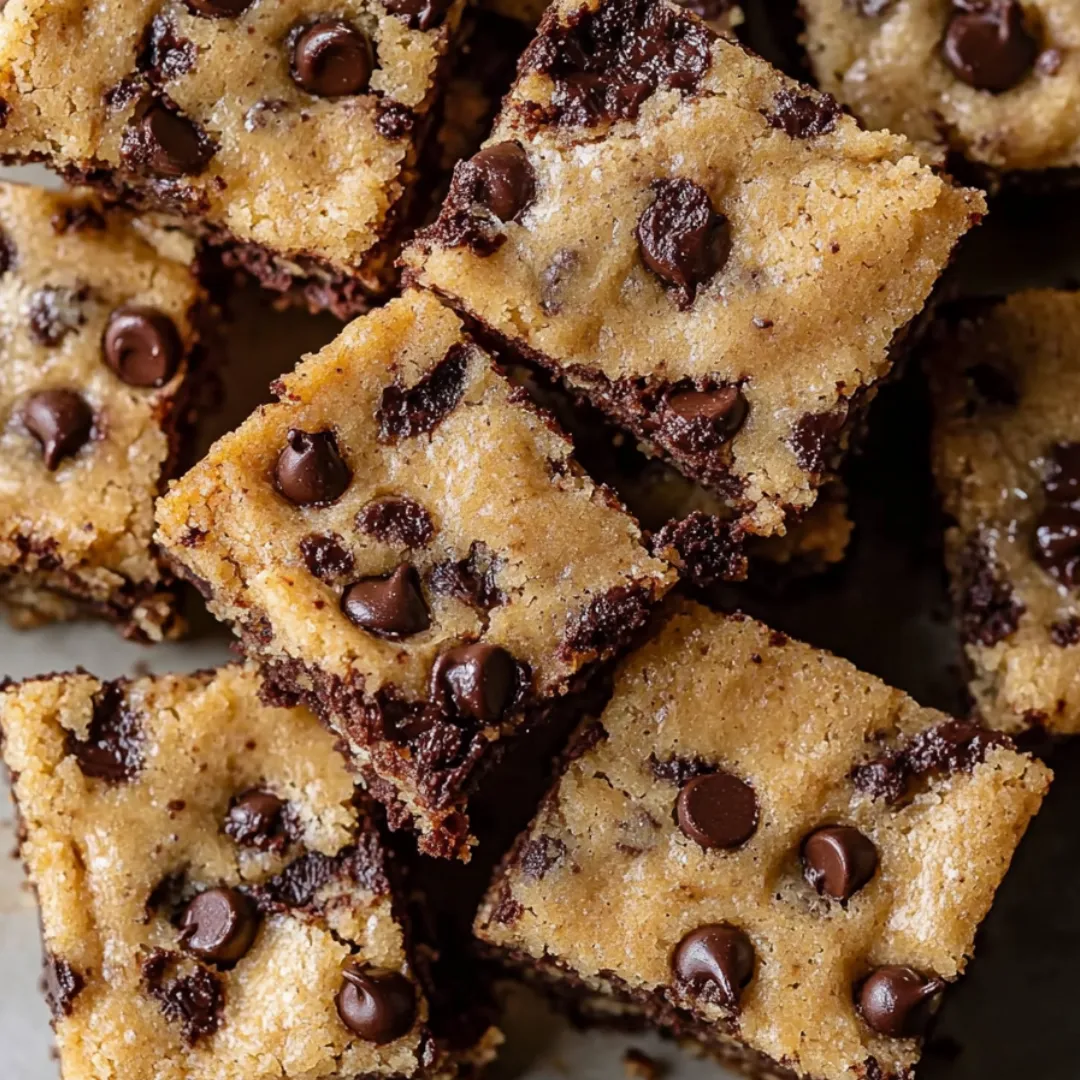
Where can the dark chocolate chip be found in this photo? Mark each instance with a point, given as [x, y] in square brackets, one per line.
[682, 239]
[394, 120]
[297, 887]
[326, 556]
[701, 420]
[219, 925]
[142, 346]
[989, 610]
[1057, 543]
[898, 1001]
[989, 45]
[391, 607]
[705, 548]
[540, 856]
[405, 412]
[500, 179]
[60, 420]
[112, 749]
[714, 963]
[803, 116]
[332, 59]
[817, 436]
[7, 252]
[256, 819]
[63, 984]
[396, 520]
[54, 312]
[470, 580]
[606, 621]
[78, 217]
[164, 143]
[717, 810]
[165, 55]
[1062, 484]
[195, 1001]
[378, 1006]
[1066, 632]
[310, 470]
[838, 860]
[419, 14]
[218, 9]
[678, 770]
[479, 681]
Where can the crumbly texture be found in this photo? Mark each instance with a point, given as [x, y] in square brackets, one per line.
[605, 884]
[307, 185]
[887, 62]
[1006, 381]
[645, 259]
[452, 473]
[128, 796]
[76, 538]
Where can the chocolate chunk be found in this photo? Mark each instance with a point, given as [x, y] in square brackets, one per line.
[63, 984]
[195, 1000]
[682, 239]
[419, 14]
[379, 1006]
[112, 749]
[714, 963]
[310, 470]
[540, 856]
[219, 925]
[7, 252]
[607, 621]
[817, 437]
[717, 810]
[838, 860]
[326, 556]
[1057, 543]
[1066, 632]
[701, 420]
[500, 179]
[898, 1001]
[405, 412]
[988, 44]
[704, 548]
[479, 681]
[60, 420]
[54, 312]
[390, 607]
[162, 142]
[257, 819]
[396, 520]
[556, 278]
[394, 120]
[165, 55]
[804, 116]
[471, 580]
[989, 611]
[218, 9]
[332, 59]
[142, 345]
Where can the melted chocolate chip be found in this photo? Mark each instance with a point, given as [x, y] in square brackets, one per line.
[257, 819]
[989, 46]
[817, 436]
[714, 963]
[405, 412]
[310, 470]
[419, 14]
[219, 925]
[838, 860]
[989, 611]
[142, 346]
[540, 856]
[556, 278]
[63, 984]
[326, 557]
[7, 252]
[1057, 543]
[112, 749]
[705, 548]
[78, 217]
[607, 620]
[804, 116]
[378, 1006]
[499, 178]
[60, 420]
[394, 120]
[195, 1000]
[678, 770]
[702, 420]
[390, 607]
[396, 520]
[218, 9]
[898, 1001]
[162, 142]
[165, 55]
[297, 887]
[477, 681]
[471, 580]
[1062, 484]
[332, 59]
[1066, 632]
[717, 810]
[54, 312]
[682, 239]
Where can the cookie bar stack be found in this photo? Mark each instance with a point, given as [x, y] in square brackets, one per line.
[612, 344]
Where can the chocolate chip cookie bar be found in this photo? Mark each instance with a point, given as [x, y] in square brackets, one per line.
[760, 848]
[1007, 458]
[286, 131]
[714, 255]
[216, 899]
[97, 360]
[994, 81]
[407, 545]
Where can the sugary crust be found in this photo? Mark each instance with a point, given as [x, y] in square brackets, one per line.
[889, 70]
[991, 455]
[626, 884]
[84, 530]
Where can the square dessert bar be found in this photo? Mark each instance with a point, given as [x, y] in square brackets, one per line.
[97, 365]
[763, 849]
[288, 131]
[1006, 382]
[713, 254]
[406, 544]
[216, 900]
[994, 81]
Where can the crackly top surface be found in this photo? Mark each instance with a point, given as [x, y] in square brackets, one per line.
[608, 882]
[129, 797]
[1010, 100]
[1006, 383]
[836, 235]
[298, 171]
[66, 271]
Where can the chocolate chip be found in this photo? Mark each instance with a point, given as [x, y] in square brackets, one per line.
[332, 59]
[219, 925]
[1066, 632]
[989, 46]
[165, 55]
[1062, 484]
[555, 278]
[63, 984]
[717, 810]
[78, 217]
[7, 252]
[701, 420]
[714, 963]
[1057, 543]
[326, 557]
[678, 770]
[310, 470]
[500, 179]
[989, 610]
[838, 860]
[817, 436]
[378, 1006]
[419, 14]
[540, 856]
[898, 1001]
[142, 346]
[705, 548]
[218, 9]
[394, 120]
[297, 887]
[112, 749]
[804, 116]
[54, 312]
[682, 239]
[164, 143]
[397, 520]
[405, 412]
[60, 420]
[256, 819]
[479, 680]
[606, 621]
[195, 1000]
[471, 580]
[391, 607]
